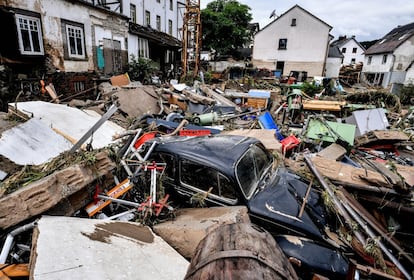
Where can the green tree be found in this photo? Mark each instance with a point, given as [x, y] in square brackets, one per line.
[225, 26]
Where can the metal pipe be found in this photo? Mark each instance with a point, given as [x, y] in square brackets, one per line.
[328, 189]
[121, 201]
[9, 240]
[373, 236]
[146, 157]
[120, 214]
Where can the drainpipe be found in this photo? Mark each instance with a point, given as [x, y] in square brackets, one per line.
[326, 57]
[9, 240]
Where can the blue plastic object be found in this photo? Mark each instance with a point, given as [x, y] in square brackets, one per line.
[267, 122]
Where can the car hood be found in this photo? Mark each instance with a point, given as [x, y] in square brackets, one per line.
[280, 202]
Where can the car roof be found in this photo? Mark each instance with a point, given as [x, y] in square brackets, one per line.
[218, 151]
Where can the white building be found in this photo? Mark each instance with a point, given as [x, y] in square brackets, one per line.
[68, 34]
[390, 61]
[295, 41]
[333, 62]
[155, 30]
[351, 49]
[83, 41]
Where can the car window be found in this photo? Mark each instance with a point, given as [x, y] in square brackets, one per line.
[206, 179]
[251, 167]
[226, 188]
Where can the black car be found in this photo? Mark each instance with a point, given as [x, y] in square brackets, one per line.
[234, 170]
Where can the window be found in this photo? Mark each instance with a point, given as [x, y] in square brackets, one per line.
[293, 22]
[143, 50]
[206, 179]
[78, 86]
[30, 36]
[133, 13]
[171, 5]
[353, 61]
[402, 37]
[354, 50]
[147, 18]
[158, 1]
[282, 44]
[384, 59]
[169, 56]
[343, 50]
[73, 40]
[251, 167]
[158, 23]
[170, 27]
[369, 59]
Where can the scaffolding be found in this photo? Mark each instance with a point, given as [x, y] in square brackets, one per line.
[191, 38]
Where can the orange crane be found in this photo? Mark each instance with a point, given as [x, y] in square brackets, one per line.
[191, 38]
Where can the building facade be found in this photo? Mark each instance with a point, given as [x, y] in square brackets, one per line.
[295, 41]
[76, 43]
[155, 31]
[390, 61]
[351, 49]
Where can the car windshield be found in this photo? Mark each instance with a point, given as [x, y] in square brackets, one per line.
[250, 168]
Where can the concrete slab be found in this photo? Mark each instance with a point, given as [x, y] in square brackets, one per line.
[192, 224]
[32, 142]
[138, 101]
[70, 122]
[75, 248]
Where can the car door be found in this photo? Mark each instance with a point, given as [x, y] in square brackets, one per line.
[204, 185]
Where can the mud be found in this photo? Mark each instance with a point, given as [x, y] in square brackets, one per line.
[136, 232]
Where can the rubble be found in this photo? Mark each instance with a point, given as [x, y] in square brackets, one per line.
[191, 225]
[101, 249]
[353, 150]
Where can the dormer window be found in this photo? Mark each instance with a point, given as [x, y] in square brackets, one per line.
[402, 37]
[293, 22]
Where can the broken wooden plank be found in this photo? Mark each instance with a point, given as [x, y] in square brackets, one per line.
[347, 174]
[219, 98]
[375, 136]
[323, 105]
[198, 98]
[333, 152]
[52, 92]
[45, 193]
[378, 227]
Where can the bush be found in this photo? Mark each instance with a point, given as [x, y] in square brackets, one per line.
[407, 95]
[311, 88]
[141, 69]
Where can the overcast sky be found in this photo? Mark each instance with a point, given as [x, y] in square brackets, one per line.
[366, 19]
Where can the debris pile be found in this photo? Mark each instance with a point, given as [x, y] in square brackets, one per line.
[350, 74]
[327, 175]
